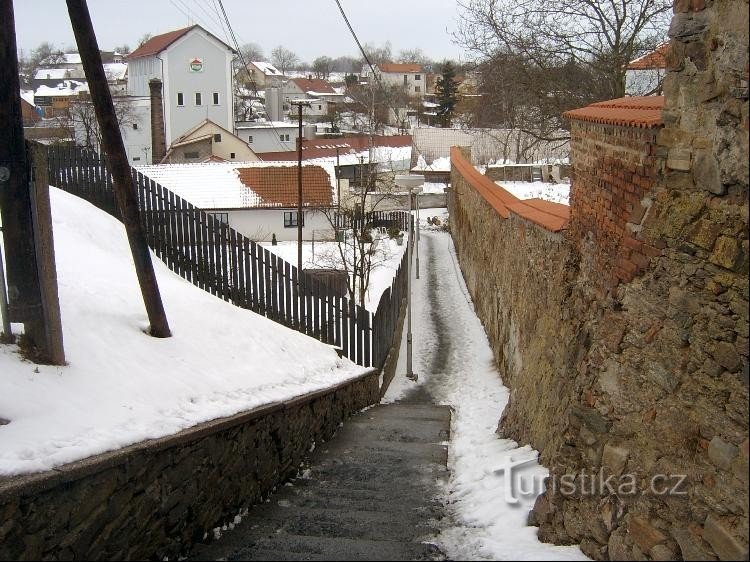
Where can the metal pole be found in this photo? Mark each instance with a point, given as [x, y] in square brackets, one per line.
[338, 183]
[409, 371]
[416, 197]
[299, 193]
[124, 188]
[7, 333]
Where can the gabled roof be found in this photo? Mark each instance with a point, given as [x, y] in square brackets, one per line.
[327, 148]
[185, 138]
[655, 59]
[157, 44]
[317, 85]
[245, 185]
[399, 67]
[267, 68]
[631, 111]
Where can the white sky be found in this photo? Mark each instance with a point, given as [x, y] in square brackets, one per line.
[310, 28]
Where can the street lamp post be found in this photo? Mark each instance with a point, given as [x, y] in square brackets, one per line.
[414, 184]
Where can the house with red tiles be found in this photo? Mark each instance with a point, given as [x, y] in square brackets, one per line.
[645, 74]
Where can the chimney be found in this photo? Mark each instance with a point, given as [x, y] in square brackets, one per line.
[158, 135]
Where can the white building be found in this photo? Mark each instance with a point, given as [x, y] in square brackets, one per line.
[257, 199]
[264, 74]
[268, 136]
[196, 70]
[411, 77]
[645, 75]
[319, 94]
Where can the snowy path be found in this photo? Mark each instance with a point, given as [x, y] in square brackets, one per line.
[455, 366]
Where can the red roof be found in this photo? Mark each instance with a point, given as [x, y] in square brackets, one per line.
[326, 148]
[633, 111]
[548, 215]
[314, 85]
[655, 59]
[277, 185]
[399, 67]
[157, 44]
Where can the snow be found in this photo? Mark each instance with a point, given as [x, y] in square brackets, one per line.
[441, 164]
[455, 365]
[326, 255]
[65, 88]
[555, 192]
[267, 68]
[433, 187]
[121, 386]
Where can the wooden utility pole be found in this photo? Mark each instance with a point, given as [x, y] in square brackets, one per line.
[300, 216]
[24, 294]
[123, 186]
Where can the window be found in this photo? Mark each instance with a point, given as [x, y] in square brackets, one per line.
[221, 217]
[320, 107]
[135, 126]
[180, 99]
[217, 137]
[198, 98]
[284, 138]
[417, 77]
[290, 219]
[191, 155]
[216, 98]
[136, 158]
[417, 89]
[231, 155]
[250, 139]
[406, 79]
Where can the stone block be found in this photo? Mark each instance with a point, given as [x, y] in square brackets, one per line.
[662, 552]
[726, 355]
[725, 545]
[643, 533]
[614, 458]
[705, 233]
[679, 159]
[690, 545]
[727, 253]
[722, 453]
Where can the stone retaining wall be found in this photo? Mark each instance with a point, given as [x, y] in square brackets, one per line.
[155, 499]
[640, 373]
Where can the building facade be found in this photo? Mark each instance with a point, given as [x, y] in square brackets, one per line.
[196, 70]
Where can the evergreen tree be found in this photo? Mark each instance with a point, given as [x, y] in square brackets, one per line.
[447, 94]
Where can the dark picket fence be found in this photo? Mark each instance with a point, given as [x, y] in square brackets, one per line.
[223, 262]
[374, 219]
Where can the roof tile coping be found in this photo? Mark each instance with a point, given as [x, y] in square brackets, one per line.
[630, 111]
[550, 216]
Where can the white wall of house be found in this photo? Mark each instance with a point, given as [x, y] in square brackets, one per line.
[173, 67]
[261, 224]
[226, 146]
[262, 137]
[415, 83]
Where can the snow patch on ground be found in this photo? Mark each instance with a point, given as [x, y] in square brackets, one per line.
[122, 386]
[555, 192]
[455, 365]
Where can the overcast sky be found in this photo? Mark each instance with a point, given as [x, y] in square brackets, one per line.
[310, 28]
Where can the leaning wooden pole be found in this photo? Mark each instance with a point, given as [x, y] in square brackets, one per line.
[122, 179]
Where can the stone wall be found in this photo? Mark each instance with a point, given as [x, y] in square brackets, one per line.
[639, 371]
[156, 499]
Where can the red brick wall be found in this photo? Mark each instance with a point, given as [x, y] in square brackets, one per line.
[614, 170]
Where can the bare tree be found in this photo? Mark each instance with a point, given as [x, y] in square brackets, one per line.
[601, 37]
[45, 53]
[252, 52]
[378, 55]
[322, 67]
[83, 120]
[283, 59]
[144, 38]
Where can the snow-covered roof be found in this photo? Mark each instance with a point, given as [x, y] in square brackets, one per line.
[442, 164]
[28, 96]
[266, 125]
[72, 58]
[219, 185]
[267, 68]
[51, 74]
[65, 88]
[116, 70]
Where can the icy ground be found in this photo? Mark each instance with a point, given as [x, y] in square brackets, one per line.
[122, 386]
[455, 366]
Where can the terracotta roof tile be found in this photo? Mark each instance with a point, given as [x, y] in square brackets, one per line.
[655, 59]
[548, 215]
[326, 148]
[399, 67]
[314, 85]
[637, 111]
[158, 43]
[277, 185]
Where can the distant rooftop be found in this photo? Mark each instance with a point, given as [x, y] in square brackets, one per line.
[399, 67]
[655, 59]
